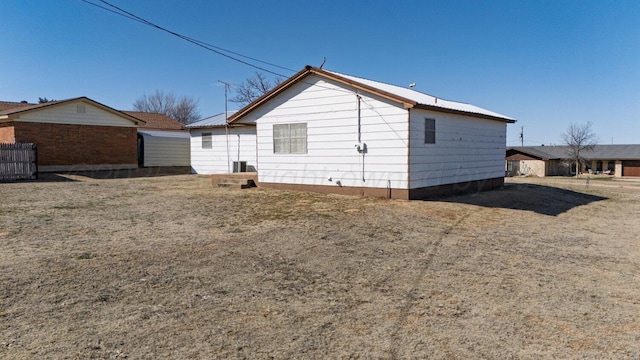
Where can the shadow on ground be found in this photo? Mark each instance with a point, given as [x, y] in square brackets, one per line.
[541, 199]
[113, 174]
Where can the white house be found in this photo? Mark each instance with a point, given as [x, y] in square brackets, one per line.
[329, 132]
[221, 148]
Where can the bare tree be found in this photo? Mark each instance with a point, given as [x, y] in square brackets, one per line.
[579, 139]
[254, 87]
[184, 109]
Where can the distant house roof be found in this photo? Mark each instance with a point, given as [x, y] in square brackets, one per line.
[599, 152]
[11, 113]
[155, 120]
[6, 105]
[409, 98]
[217, 120]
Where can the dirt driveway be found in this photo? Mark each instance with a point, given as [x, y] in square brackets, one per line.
[170, 267]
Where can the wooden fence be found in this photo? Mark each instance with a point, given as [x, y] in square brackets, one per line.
[18, 162]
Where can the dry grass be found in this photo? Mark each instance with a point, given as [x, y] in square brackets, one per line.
[170, 267]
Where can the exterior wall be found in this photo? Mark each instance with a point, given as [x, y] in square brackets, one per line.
[80, 147]
[71, 114]
[166, 148]
[242, 147]
[557, 168]
[331, 114]
[402, 194]
[466, 149]
[6, 133]
[533, 168]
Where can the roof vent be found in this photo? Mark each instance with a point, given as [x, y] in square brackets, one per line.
[81, 109]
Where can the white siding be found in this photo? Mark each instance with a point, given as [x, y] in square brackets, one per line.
[331, 114]
[241, 144]
[166, 148]
[69, 114]
[466, 149]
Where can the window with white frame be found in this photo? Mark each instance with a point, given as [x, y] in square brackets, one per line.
[290, 138]
[429, 131]
[207, 141]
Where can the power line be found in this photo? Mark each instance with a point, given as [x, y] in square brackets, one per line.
[216, 49]
[221, 51]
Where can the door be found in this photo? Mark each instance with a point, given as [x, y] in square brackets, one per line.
[630, 168]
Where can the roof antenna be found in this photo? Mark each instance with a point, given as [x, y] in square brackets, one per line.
[324, 58]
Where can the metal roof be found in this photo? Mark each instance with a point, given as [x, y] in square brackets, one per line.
[422, 98]
[212, 121]
[599, 152]
[409, 98]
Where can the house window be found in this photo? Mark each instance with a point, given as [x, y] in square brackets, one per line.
[429, 131]
[207, 142]
[290, 138]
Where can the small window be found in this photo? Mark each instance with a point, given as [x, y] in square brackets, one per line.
[207, 142]
[429, 131]
[290, 138]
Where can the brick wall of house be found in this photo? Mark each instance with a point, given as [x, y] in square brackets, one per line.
[60, 144]
[6, 133]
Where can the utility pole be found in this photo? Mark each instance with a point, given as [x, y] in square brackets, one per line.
[521, 135]
[226, 122]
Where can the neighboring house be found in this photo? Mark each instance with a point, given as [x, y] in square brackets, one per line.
[329, 132]
[162, 141]
[75, 134]
[220, 148]
[617, 160]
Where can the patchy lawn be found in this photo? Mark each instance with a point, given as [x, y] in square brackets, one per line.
[170, 267]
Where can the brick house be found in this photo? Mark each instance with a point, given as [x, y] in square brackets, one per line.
[75, 134]
[615, 160]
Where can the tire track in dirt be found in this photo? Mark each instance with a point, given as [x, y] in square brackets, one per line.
[413, 294]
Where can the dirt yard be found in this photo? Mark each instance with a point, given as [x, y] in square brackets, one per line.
[170, 267]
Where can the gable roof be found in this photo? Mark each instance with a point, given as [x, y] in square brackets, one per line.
[409, 98]
[155, 120]
[218, 120]
[599, 152]
[15, 112]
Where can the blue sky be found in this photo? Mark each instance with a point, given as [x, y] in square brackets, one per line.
[545, 63]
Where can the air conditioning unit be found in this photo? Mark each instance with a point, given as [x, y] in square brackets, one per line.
[239, 166]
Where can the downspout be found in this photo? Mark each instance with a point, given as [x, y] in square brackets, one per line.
[360, 146]
[238, 152]
[359, 120]
[409, 154]
[226, 128]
